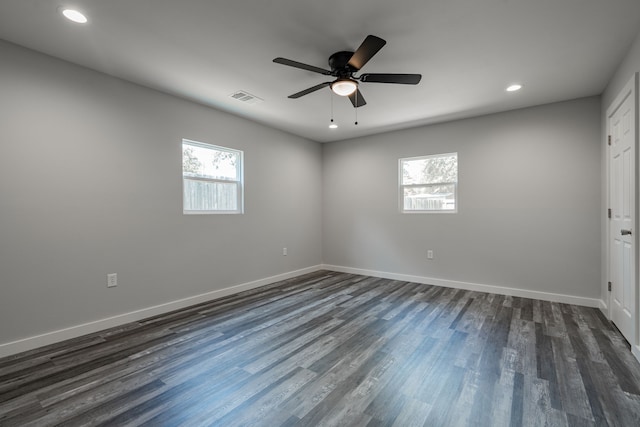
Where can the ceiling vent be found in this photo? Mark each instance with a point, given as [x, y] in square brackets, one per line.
[246, 97]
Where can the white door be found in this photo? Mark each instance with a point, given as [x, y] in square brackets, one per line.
[621, 126]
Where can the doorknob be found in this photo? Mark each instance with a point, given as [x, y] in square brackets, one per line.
[625, 232]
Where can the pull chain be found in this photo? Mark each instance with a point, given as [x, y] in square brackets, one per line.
[356, 107]
[332, 125]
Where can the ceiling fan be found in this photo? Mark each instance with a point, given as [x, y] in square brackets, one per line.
[344, 65]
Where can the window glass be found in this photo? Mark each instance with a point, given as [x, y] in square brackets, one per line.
[212, 178]
[429, 183]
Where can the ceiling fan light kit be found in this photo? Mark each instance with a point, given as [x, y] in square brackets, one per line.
[344, 65]
[344, 87]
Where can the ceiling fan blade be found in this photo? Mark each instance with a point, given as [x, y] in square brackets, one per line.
[357, 99]
[403, 79]
[369, 47]
[296, 64]
[308, 91]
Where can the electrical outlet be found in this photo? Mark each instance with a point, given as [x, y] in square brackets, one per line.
[112, 280]
[284, 251]
[429, 254]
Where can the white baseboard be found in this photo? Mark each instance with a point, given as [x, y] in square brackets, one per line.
[524, 293]
[30, 343]
[604, 308]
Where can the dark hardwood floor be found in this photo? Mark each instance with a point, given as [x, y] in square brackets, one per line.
[329, 349]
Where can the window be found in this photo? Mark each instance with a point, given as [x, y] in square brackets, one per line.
[212, 179]
[429, 183]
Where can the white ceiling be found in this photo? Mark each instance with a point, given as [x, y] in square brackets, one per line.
[467, 51]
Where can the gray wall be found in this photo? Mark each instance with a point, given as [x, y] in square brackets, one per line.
[627, 68]
[90, 184]
[529, 201]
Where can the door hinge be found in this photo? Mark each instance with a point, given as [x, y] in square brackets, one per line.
[609, 140]
[609, 213]
[609, 286]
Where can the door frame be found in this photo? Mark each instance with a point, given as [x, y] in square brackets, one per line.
[630, 87]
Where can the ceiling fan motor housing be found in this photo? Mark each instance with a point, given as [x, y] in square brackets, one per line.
[339, 63]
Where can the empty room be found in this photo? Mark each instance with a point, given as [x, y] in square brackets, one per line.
[305, 213]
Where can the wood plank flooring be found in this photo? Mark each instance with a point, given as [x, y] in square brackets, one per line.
[333, 349]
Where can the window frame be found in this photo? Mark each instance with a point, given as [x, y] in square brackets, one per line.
[238, 182]
[401, 186]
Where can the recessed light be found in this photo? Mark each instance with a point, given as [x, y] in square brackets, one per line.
[74, 15]
[333, 125]
[514, 87]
